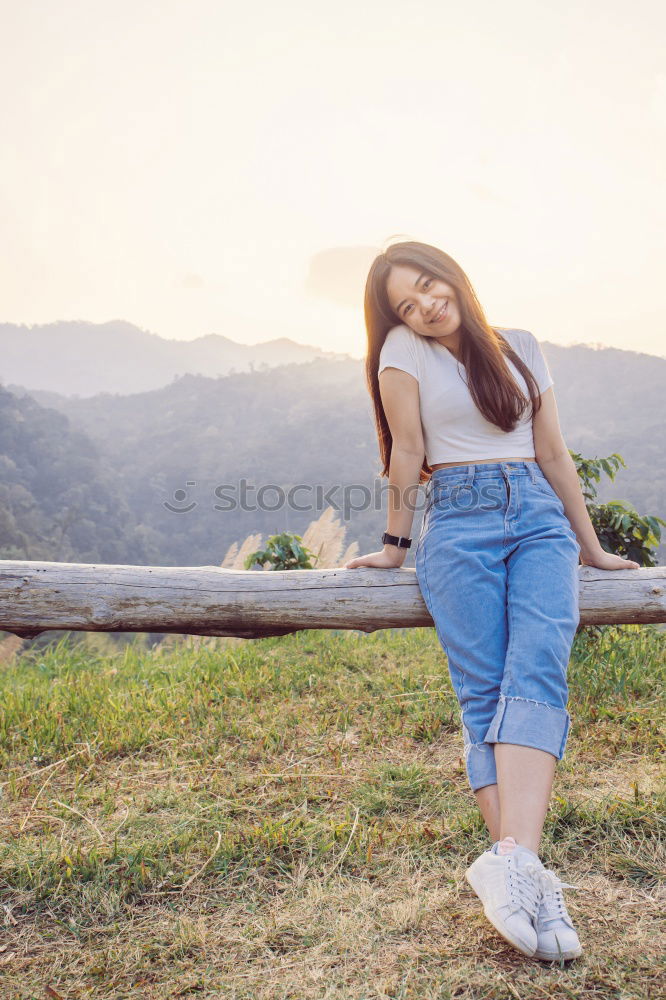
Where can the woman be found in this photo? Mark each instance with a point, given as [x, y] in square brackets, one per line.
[470, 410]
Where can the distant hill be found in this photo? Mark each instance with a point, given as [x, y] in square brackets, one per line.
[84, 359]
[311, 423]
[59, 499]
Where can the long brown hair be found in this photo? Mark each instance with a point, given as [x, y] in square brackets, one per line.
[483, 349]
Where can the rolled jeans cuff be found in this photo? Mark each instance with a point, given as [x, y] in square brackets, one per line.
[530, 724]
[479, 762]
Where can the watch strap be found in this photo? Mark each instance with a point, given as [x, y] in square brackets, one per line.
[399, 540]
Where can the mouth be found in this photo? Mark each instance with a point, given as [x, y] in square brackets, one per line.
[439, 316]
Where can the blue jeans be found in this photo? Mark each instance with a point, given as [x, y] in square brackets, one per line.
[497, 565]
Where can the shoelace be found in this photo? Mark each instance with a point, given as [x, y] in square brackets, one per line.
[524, 886]
[552, 900]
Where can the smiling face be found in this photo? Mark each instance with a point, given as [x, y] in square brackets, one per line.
[428, 305]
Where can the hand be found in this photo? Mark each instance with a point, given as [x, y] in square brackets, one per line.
[380, 560]
[606, 560]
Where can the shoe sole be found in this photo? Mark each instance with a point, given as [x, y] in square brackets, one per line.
[564, 956]
[470, 875]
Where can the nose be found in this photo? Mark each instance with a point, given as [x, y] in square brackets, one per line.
[427, 305]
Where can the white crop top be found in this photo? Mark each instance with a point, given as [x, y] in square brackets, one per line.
[454, 429]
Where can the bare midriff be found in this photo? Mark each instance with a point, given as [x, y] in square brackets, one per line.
[481, 461]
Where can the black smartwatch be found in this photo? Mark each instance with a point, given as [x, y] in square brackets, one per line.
[402, 543]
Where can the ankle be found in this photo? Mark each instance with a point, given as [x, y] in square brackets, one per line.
[506, 845]
[525, 841]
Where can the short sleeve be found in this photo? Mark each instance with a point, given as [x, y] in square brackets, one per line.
[537, 363]
[399, 351]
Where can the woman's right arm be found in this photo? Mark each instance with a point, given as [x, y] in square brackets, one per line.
[400, 399]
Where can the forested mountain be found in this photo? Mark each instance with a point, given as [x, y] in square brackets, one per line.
[59, 500]
[78, 358]
[123, 458]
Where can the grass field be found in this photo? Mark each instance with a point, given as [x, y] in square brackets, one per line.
[290, 818]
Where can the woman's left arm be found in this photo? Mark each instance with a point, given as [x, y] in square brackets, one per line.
[559, 469]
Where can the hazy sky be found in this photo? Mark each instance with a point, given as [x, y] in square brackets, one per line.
[180, 164]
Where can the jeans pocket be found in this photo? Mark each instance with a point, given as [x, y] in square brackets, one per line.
[446, 496]
[543, 486]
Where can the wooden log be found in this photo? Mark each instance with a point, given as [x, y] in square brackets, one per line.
[206, 600]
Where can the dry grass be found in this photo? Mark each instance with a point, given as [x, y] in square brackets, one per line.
[289, 818]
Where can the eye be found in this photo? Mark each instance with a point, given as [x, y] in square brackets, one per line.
[406, 310]
[427, 282]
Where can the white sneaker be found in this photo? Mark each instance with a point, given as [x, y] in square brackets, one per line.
[556, 937]
[508, 886]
